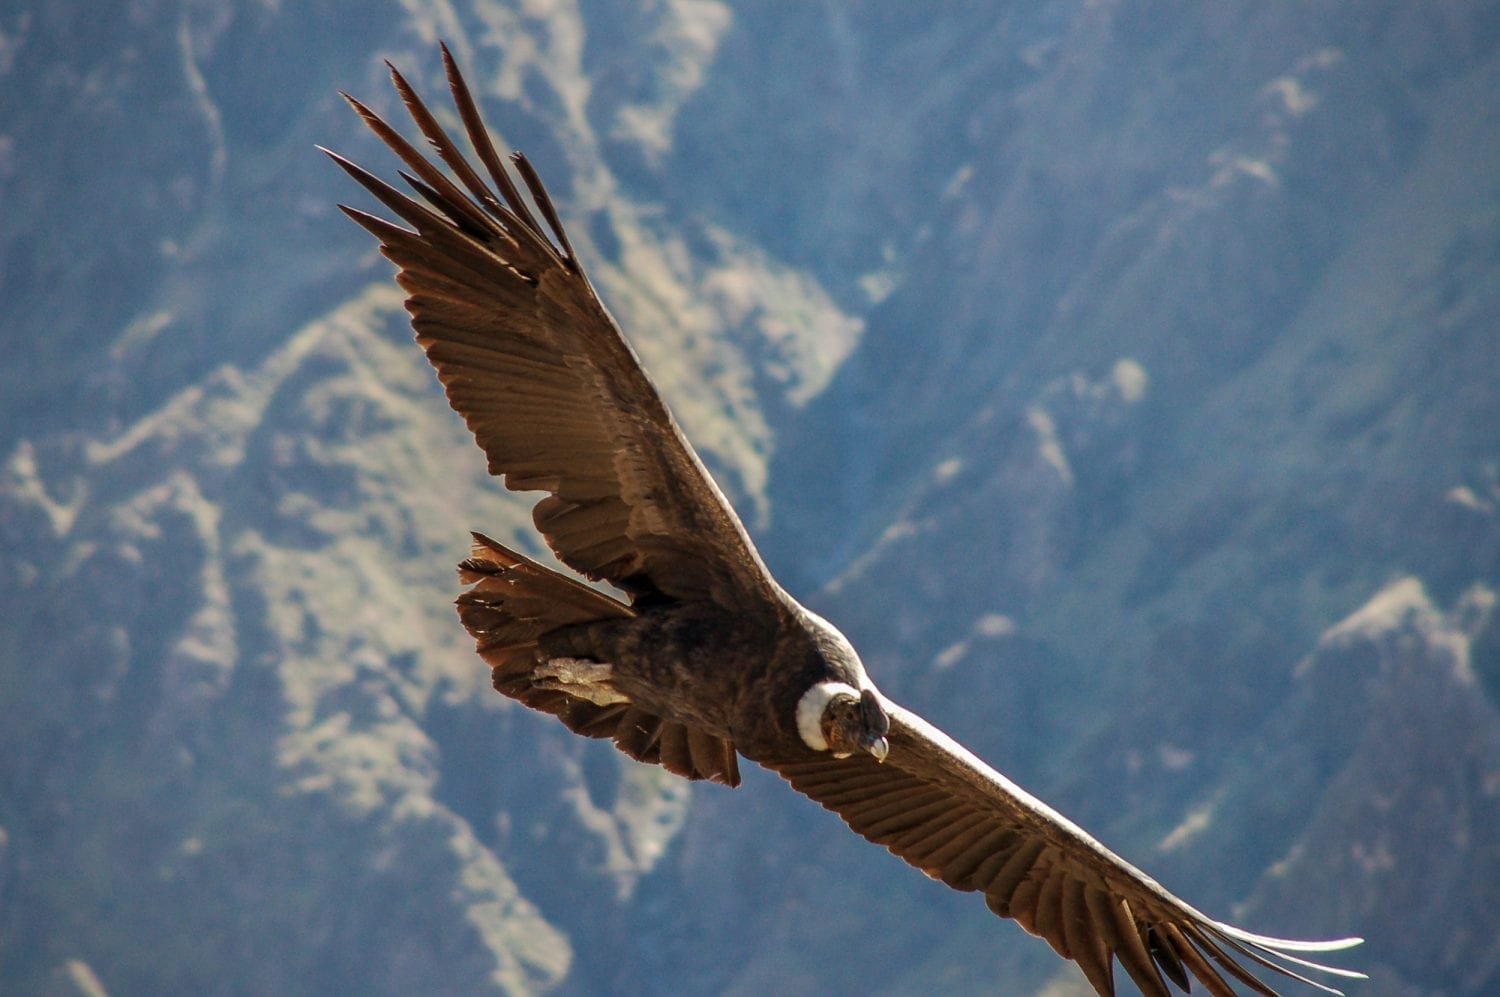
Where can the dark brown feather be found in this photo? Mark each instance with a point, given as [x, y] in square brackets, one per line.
[513, 603]
[531, 360]
[1049, 900]
[1194, 961]
[1130, 949]
[1218, 955]
[939, 808]
[1165, 957]
[493, 295]
[1086, 943]
[479, 138]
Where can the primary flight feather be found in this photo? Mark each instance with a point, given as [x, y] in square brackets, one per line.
[711, 660]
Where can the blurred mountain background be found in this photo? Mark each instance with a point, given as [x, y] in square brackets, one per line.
[1123, 378]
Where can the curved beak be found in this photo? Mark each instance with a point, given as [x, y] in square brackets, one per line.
[873, 721]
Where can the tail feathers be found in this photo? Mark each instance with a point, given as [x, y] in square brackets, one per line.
[514, 602]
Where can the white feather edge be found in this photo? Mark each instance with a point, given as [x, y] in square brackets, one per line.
[810, 711]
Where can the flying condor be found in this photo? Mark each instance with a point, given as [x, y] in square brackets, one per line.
[710, 659]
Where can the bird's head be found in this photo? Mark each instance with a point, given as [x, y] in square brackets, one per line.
[835, 717]
[841, 713]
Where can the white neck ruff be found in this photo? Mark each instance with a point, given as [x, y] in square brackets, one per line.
[810, 711]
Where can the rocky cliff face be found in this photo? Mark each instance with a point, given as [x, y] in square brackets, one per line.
[1120, 378]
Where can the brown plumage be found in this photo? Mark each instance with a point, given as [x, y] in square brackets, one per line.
[710, 659]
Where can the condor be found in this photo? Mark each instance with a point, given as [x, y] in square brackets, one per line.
[710, 660]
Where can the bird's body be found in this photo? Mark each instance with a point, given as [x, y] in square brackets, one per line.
[735, 676]
[707, 659]
[696, 664]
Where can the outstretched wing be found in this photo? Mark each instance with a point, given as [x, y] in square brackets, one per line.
[938, 807]
[539, 371]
